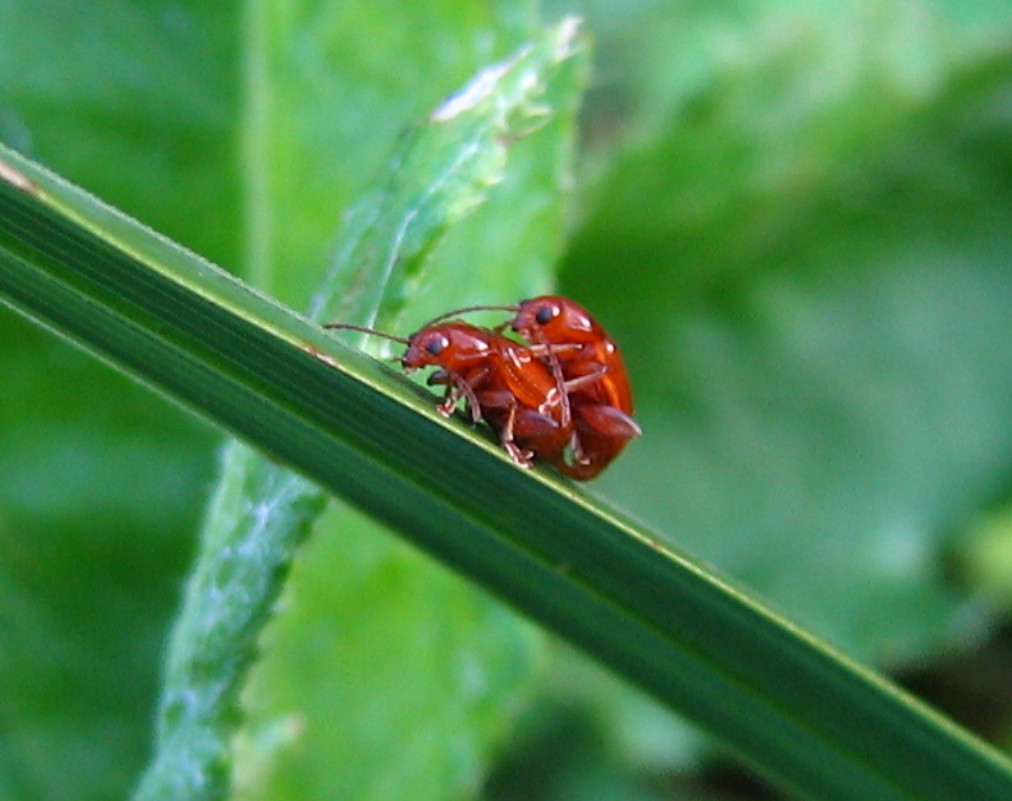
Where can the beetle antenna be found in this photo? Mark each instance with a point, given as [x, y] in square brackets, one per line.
[468, 310]
[362, 329]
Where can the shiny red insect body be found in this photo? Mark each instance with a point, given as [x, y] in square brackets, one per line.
[502, 381]
[599, 394]
[561, 397]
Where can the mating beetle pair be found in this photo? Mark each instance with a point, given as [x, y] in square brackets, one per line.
[561, 397]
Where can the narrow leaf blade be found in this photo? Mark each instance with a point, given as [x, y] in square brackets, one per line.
[822, 725]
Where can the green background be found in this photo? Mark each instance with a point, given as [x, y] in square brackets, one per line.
[794, 216]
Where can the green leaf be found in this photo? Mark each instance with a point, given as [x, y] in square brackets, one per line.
[379, 651]
[439, 174]
[479, 659]
[314, 130]
[821, 294]
[808, 222]
[808, 716]
[100, 481]
[59, 408]
[138, 101]
[327, 90]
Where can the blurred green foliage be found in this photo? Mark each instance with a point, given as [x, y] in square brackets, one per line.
[793, 215]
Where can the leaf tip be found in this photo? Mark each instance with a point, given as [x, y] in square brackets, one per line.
[560, 47]
[480, 87]
[568, 32]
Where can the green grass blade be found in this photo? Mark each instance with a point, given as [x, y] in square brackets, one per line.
[511, 146]
[808, 717]
[262, 511]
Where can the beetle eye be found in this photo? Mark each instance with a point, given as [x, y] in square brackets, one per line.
[435, 346]
[544, 315]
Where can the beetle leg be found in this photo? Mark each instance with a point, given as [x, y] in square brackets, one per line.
[452, 395]
[521, 457]
[576, 448]
[451, 398]
[549, 354]
[584, 380]
[542, 349]
[459, 387]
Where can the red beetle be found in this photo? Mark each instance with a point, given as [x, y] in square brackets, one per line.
[575, 346]
[503, 382]
[563, 397]
[592, 367]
